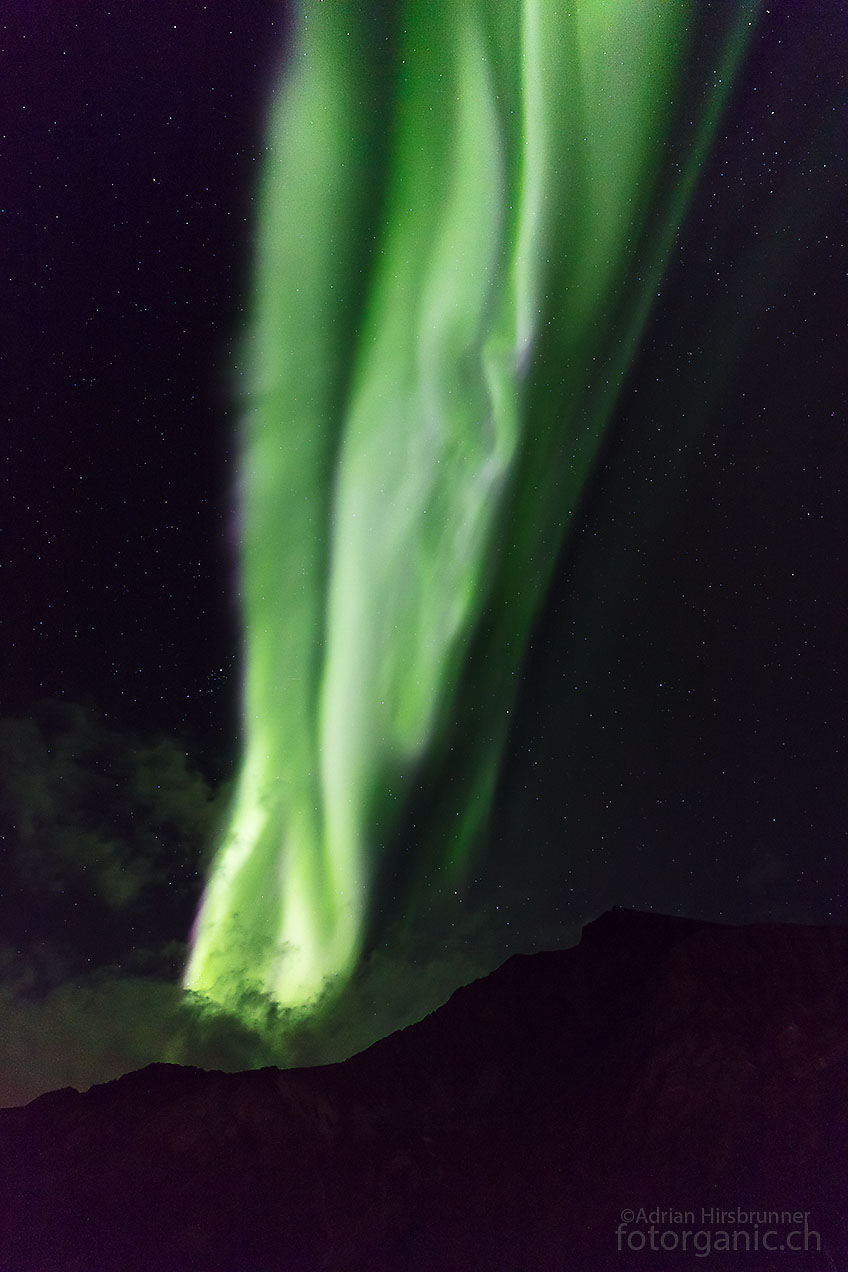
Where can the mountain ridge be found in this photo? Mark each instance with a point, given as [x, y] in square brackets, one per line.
[661, 1066]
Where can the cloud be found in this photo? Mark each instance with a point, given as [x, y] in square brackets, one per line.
[105, 835]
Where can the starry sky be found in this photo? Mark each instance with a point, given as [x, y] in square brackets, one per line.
[679, 738]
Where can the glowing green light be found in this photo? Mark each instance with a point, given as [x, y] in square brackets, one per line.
[458, 244]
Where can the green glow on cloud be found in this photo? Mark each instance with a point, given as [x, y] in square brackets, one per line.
[461, 230]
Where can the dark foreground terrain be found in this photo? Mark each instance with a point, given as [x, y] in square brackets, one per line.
[599, 1108]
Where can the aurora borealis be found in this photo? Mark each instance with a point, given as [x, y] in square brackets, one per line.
[452, 274]
[638, 697]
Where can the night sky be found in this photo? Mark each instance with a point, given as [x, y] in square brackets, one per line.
[679, 736]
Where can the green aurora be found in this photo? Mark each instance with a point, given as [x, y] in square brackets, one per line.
[464, 216]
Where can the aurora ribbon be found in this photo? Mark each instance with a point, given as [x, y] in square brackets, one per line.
[463, 219]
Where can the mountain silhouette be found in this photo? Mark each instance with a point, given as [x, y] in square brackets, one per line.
[575, 1111]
